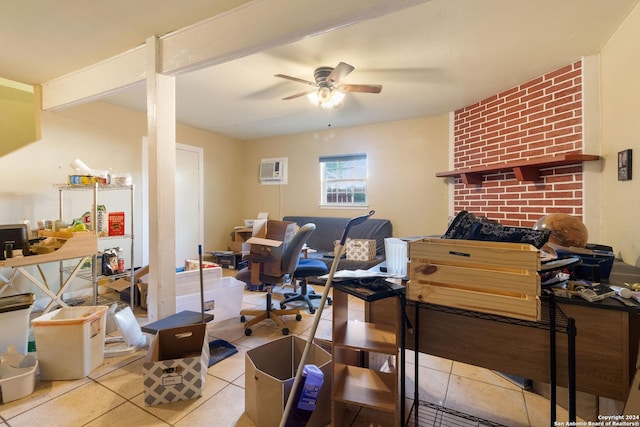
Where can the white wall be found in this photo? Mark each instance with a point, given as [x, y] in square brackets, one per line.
[620, 61]
[107, 137]
[403, 158]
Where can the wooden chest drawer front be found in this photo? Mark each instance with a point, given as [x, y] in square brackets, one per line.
[470, 253]
[475, 279]
[490, 277]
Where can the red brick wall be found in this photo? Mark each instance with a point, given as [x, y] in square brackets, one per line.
[538, 118]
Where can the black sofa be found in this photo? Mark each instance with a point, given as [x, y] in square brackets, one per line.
[329, 229]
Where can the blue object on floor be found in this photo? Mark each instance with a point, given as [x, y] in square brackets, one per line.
[219, 350]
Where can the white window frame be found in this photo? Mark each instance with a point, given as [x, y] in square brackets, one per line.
[326, 182]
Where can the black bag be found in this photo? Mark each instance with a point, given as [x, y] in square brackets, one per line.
[467, 226]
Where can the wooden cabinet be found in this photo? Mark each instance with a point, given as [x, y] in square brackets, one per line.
[365, 359]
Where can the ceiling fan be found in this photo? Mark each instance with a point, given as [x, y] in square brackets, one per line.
[328, 90]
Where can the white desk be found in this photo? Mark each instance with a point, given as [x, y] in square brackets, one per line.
[77, 246]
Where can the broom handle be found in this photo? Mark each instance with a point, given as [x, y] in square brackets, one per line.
[201, 283]
[316, 319]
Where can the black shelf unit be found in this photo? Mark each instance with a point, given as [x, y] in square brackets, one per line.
[429, 414]
[552, 320]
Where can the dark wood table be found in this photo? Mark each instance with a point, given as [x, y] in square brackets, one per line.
[606, 343]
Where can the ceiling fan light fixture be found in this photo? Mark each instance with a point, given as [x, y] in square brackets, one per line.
[326, 97]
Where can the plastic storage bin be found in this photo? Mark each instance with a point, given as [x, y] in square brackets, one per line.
[18, 382]
[70, 342]
[224, 294]
[14, 322]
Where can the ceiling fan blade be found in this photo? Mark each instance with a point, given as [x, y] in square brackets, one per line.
[298, 95]
[339, 73]
[360, 88]
[295, 79]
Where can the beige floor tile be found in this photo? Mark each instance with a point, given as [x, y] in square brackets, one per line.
[101, 398]
[503, 405]
[175, 411]
[324, 330]
[126, 381]
[43, 392]
[429, 361]
[232, 367]
[539, 411]
[483, 375]
[432, 387]
[229, 330]
[224, 409]
[127, 414]
[239, 381]
[371, 418]
[262, 333]
[112, 363]
[74, 408]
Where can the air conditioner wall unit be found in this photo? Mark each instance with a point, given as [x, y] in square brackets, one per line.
[273, 171]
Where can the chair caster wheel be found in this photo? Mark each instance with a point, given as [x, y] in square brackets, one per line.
[329, 301]
[247, 331]
[282, 306]
[298, 317]
[243, 319]
[312, 311]
[285, 331]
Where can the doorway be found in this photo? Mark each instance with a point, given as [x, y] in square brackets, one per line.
[189, 196]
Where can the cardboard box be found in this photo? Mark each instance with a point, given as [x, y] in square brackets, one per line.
[116, 223]
[361, 249]
[230, 261]
[194, 264]
[267, 247]
[175, 367]
[269, 374]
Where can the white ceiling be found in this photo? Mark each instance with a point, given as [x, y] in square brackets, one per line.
[431, 59]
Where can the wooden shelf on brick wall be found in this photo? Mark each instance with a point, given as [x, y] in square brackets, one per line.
[524, 170]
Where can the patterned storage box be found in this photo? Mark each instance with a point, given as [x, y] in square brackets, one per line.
[175, 367]
[361, 249]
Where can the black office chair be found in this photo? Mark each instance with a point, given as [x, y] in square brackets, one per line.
[290, 259]
[306, 268]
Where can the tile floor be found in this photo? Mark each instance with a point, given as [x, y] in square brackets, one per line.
[112, 395]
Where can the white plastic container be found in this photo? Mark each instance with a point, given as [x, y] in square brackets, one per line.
[224, 294]
[16, 383]
[14, 322]
[188, 282]
[15, 330]
[70, 342]
[396, 256]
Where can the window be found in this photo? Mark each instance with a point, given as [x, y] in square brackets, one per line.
[344, 180]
